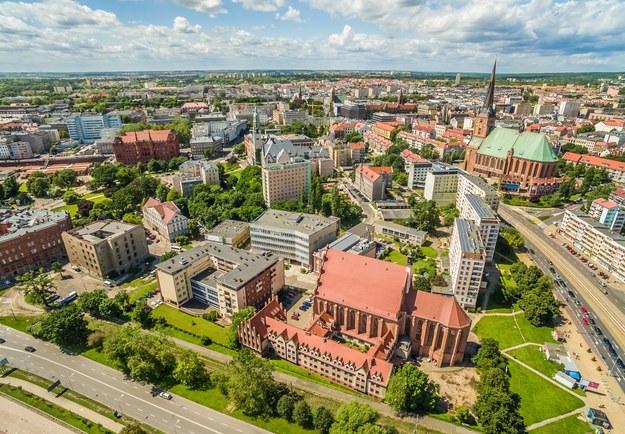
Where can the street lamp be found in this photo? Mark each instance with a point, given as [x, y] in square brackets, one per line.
[26, 364]
[70, 380]
[416, 424]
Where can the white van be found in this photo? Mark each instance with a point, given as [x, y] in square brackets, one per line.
[176, 248]
[109, 283]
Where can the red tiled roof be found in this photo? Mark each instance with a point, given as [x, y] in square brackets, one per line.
[437, 307]
[167, 210]
[382, 170]
[412, 157]
[363, 283]
[605, 203]
[619, 192]
[357, 145]
[384, 126]
[594, 161]
[145, 136]
[367, 172]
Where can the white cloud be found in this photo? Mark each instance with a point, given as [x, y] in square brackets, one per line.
[261, 5]
[210, 7]
[182, 25]
[59, 14]
[290, 15]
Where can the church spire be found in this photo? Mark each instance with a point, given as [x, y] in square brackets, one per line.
[490, 93]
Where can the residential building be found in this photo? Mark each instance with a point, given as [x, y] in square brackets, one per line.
[30, 239]
[596, 241]
[287, 179]
[404, 233]
[142, 146]
[441, 186]
[569, 108]
[231, 232]
[476, 210]
[417, 169]
[607, 213]
[523, 163]
[194, 173]
[618, 196]
[467, 258]
[15, 150]
[383, 129]
[354, 111]
[291, 235]
[87, 129]
[199, 146]
[185, 184]
[470, 184]
[165, 218]
[357, 152]
[106, 248]
[616, 169]
[220, 276]
[340, 154]
[370, 303]
[369, 183]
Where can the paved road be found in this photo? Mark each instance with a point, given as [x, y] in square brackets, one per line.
[608, 316]
[107, 386]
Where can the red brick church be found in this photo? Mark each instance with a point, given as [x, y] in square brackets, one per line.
[522, 162]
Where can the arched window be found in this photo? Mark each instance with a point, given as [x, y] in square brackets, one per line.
[374, 327]
[362, 326]
[351, 320]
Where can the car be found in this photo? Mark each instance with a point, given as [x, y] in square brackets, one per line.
[620, 363]
[607, 342]
[550, 262]
[584, 311]
[602, 284]
[75, 268]
[571, 293]
[158, 240]
[2, 340]
[612, 351]
[295, 317]
[592, 321]
[531, 251]
[593, 275]
[165, 395]
[578, 303]
[597, 330]
[585, 321]
[304, 308]
[552, 270]
[30, 349]
[562, 283]
[557, 276]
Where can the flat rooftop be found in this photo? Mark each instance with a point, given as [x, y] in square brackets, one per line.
[228, 228]
[614, 236]
[248, 264]
[304, 223]
[99, 231]
[20, 221]
[479, 182]
[480, 206]
[401, 228]
[469, 235]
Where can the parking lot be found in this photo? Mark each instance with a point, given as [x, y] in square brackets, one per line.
[299, 308]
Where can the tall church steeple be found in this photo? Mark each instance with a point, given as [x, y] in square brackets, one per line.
[485, 120]
[489, 102]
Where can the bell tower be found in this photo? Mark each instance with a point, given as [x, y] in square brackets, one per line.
[485, 120]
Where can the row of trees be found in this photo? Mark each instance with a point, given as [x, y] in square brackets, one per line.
[52, 185]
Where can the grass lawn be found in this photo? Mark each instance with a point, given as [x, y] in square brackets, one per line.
[191, 324]
[140, 287]
[540, 399]
[542, 218]
[22, 188]
[73, 209]
[231, 167]
[169, 331]
[505, 330]
[294, 370]
[532, 356]
[397, 257]
[54, 410]
[568, 425]
[429, 251]
[429, 263]
[20, 323]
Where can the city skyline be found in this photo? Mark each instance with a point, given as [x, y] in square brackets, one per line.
[136, 35]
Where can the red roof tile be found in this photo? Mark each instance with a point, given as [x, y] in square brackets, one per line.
[437, 307]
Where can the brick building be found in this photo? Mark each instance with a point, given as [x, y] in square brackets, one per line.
[143, 146]
[30, 239]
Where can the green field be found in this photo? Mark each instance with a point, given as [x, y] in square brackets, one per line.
[397, 257]
[540, 399]
[532, 356]
[568, 425]
[73, 209]
[139, 287]
[505, 330]
[20, 323]
[191, 324]
[430, 252]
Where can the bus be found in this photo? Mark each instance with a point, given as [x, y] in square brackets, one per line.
[69, 298]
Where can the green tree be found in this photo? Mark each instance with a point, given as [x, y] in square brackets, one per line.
[71, 197]
[194, 229]
[208, 153]
[161, 192]
[237, 319]
[585, 129]
[142, 313]
[65, 326]
[122, 299]
[539, 305]
[191, 371]
[57, 268]
[133, 428]
[353, 417]
[422, 283]
[182, 240]
[167, 255]
[38, 184]
[239, 150]
[285, 406]
[512, 236]
[302, 415]
[497, 411]
[65, 178]
[89, 302]
[10, 187]
[425, 215]
[103, 175]
[323, 420]
[489, 356]
[132, 218]
[37, 285]
[410, 390]
[84, 207]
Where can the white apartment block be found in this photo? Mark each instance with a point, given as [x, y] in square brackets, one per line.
[466, 262]
[478, 212]
[284, 181]
[607, 213]
[291, 235]
[441, 186]
[471, 184]
[596, 241]
[15, 150]
[165, 218]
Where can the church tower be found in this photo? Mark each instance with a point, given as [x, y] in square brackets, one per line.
[400, 97]
[485, 120]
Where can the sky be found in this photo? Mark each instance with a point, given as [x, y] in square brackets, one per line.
[407, 35]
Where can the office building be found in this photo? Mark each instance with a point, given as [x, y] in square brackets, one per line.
[569, 108]
[372, 182]
[286, 179]
[404, 233]
[466, 262]
[165, 218]
[607, 213]
[30, 239]
[220, 276]
[291, 235]
[417, 169]
[15, 150]
[87, 129]
[441, 186]
[231, 232]
[477, 211]
[142, 146]
[106, 249]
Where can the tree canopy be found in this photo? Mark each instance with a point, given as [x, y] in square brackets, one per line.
[410, 390]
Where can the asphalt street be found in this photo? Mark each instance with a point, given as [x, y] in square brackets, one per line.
[108, 386]
[586, 290]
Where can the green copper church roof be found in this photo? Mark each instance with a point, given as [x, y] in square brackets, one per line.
[526, 145]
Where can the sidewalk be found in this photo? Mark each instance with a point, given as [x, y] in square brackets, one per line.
[18, 418]
[322, 390]
[65, 403]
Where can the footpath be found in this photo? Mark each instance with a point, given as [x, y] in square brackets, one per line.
[319, 389]
[64, 403]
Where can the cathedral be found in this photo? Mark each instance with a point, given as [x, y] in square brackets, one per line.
[523, 163]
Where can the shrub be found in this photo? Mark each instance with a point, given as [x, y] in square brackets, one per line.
[212, 316]
[285, 407]
[206, 341]
[302, 414]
